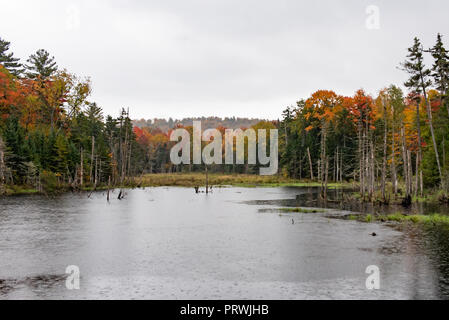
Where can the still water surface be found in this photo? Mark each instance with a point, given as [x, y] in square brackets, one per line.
[170, 243]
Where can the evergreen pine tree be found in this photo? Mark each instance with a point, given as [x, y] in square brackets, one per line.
[61, 152]
[8, 60]
[419, 82]
[94, 116]
[17, 151]
[440, 69]
[419, 76]
[41, 65]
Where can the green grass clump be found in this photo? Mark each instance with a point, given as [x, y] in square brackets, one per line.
[433, 219]
[19, 190]
[428, 220]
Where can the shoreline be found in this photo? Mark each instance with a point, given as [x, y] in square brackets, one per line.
[217, 180]
[187, 180]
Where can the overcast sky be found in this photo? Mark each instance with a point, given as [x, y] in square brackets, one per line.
[226, 58]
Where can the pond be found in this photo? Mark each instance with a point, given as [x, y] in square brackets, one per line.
[170, 243]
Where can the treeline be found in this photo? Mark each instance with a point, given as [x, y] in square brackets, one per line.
[207, 122]
[395, 142]
[157, 146]
[52, 135]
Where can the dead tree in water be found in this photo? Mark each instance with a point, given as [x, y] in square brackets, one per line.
[310, 163]
[124, 144]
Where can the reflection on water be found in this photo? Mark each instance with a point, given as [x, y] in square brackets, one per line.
[170, 243]
[338, 199]
[34, 283]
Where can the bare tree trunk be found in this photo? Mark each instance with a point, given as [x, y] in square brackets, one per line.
[365, 164]
[419, 155]
[326, 179]
[393, 159]
[81, 168]
[334, 167]
[404, 159]
[435, 147]
[95, 172]
[310, 164]
[337, 170]
[372, 164]
[99, 172]
[92, 158]
[341, 166]
[361, 162]
[384, 163]
[109, 186]
[124, 156]
[410, 173]
[421, 186]
[416, 186]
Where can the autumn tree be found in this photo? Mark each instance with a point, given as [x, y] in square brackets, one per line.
[363, 113]
[322, 107]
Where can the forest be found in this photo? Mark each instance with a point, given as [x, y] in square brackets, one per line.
[52, 136]
[391, 145]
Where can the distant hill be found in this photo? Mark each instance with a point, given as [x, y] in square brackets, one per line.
[206, 122]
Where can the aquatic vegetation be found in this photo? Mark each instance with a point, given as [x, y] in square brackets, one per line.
[429, 220]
